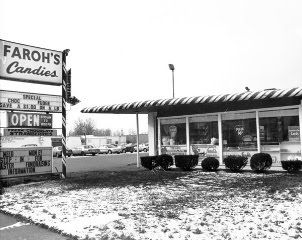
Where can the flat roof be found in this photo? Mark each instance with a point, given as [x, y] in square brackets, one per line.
[206, 104]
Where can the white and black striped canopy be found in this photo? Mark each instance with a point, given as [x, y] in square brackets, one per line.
[154, 105]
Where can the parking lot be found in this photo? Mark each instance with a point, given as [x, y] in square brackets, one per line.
[100, 162]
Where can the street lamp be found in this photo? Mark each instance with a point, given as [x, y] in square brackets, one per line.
[171, 66]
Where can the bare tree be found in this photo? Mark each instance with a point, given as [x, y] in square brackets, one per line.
[102, 132]
[82, 127]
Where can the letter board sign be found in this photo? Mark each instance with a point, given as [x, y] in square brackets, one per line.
[23, 63]
[29, 120]
[24, 161]
[25, 101]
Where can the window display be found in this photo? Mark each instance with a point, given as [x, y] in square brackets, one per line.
[240, 134]
[203, 133]
[274, 130]
[280, 134]
[173, 135]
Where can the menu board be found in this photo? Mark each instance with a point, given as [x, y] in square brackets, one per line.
[25, 161]
[25, 101]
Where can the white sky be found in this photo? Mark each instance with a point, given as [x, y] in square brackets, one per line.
[120, 50]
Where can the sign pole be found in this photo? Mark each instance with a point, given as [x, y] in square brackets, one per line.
[64, 77]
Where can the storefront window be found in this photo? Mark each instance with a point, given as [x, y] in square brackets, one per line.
[203, 131]
[274, 130]
[280, 134]
[239, 134]
[173, 136]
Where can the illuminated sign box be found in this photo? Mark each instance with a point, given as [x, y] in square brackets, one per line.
[25, 101]
[23, 63]
[29, 120]
[25, 161]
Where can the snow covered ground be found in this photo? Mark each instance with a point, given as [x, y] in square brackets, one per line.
[164, 205]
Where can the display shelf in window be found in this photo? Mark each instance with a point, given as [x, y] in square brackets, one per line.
[270, 148]
[289, 147]
[284, 152]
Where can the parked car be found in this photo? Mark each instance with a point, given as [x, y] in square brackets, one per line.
[127, 148]
[144, 147]
[104, 149]
[110, 148]
[85, 149]
[57, 152]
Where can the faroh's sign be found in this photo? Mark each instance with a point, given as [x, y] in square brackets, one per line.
[26, 120]
[24, 63]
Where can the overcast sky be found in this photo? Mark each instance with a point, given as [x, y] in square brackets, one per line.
[120, 50]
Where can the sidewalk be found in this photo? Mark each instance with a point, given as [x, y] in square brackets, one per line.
[13, 228]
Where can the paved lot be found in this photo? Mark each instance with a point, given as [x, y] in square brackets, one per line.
[14, 229]
[111, 162]
[114, 162]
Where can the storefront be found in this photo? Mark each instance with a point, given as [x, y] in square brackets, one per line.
[220, 125]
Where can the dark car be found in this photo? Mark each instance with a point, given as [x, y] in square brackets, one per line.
[127, 148]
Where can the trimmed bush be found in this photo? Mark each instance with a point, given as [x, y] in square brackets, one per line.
[210, 164]
[165, 161]
[149, 162]
[235, 162]
[261, 162]
[292, 165]
[186, 162]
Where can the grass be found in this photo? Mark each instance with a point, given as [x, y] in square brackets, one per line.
[165, 204]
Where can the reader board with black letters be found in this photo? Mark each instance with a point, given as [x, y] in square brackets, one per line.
[25, 161]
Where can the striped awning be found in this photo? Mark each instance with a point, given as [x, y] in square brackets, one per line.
[154, 105]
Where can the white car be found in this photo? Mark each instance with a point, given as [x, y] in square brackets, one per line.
[85, 149]
[110, 148]
[144, 147]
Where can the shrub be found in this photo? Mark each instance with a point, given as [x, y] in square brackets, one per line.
[210, 164]
[235, 162]
[165, 161]
[186, 162]
[292, 165]
[261, 162]
[149, 162]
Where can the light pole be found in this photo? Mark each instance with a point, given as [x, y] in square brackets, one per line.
[171, 66]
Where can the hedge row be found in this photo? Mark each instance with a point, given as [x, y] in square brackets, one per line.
[259, 162]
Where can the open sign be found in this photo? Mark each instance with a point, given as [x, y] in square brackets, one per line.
[34, 120]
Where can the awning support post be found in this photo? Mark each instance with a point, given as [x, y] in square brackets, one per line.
[258, 132]
[300, 123]
[137, 141]
[188, 135]
[220, 139]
